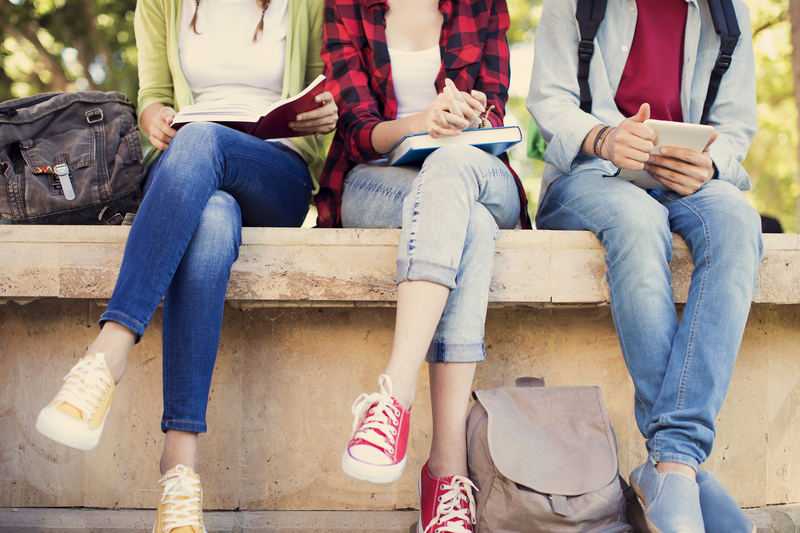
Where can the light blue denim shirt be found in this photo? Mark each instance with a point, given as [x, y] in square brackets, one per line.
[554, 98]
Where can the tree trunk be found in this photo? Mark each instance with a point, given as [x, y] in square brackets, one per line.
[794, 16]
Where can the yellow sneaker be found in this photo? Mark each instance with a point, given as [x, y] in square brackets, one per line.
[77, 414]
[181, 507]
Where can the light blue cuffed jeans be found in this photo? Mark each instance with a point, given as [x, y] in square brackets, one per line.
[680, 369]
[450, 210]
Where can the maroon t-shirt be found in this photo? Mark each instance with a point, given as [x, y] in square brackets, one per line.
[655, 62]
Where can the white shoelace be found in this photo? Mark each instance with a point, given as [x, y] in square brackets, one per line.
[85, 386]
[376, 428]
[450, 516]
[180, 499]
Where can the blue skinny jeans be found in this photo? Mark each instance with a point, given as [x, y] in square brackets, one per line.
[681, 369]
[209, 182]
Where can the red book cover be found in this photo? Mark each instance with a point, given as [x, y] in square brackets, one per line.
[273, 123]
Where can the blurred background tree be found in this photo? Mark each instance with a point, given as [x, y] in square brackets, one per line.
[59, 45]
[55, 45]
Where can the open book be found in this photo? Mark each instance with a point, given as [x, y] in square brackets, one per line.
[270, 123]
[415, 148]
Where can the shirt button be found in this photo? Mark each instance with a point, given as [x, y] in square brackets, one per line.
[633, 9]
[624, 48]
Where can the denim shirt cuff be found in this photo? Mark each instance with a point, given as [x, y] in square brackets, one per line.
[728, 167]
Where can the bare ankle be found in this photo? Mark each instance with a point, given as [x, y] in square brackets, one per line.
[116, 342]
[180, 448]
[447, 467]
[686, 470]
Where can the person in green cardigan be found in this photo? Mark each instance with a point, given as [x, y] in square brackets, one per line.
[204, 184]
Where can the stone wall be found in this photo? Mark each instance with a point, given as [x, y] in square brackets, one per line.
[279, 413]
[309, 327]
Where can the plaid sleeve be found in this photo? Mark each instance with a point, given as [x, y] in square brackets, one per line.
[495, 72]
[347, 80]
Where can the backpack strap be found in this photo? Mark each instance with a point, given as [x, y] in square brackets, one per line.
[727, 27]
[590, 14]
[634, 514]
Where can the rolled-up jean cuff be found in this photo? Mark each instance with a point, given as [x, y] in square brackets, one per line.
[183, 425]
[418, 270]
[124, 320]
[675, 458]
[447, 352]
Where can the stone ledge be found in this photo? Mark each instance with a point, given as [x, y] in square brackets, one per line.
[775, 519]
[347, 267]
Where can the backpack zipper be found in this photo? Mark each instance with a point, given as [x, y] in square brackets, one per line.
[12, 111]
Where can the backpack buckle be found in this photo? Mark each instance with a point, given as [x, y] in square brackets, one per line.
[723, 63]
[585, 50]
[62, 171]
[94, 115]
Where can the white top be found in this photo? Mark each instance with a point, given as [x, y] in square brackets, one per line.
[222, 61]
[414, 76]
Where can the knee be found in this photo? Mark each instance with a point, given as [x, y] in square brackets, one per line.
[216, 240]
[736, 233]
[456, 164]
[482, 226]
[642, 228]
[199, 141]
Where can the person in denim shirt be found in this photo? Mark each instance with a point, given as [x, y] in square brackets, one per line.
[653, 58]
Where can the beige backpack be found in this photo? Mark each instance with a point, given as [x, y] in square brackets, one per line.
[544, 459]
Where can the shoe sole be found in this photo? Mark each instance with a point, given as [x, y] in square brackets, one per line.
[68, 431]
[372, 473]
[420, 527]
[640, 494]
[203, 530]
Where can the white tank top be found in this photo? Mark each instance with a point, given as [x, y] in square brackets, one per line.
[222, 62]
[414, 76]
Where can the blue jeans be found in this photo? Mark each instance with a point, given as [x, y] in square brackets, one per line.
[184, 240]
[680, 369]
[449, 211]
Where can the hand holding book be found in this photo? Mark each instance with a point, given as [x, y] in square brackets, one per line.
[453, 111]
[311, 111]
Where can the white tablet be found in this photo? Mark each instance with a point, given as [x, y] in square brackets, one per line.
[676, 134]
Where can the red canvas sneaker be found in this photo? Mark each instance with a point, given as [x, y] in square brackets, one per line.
[377, 449]
[446, 504]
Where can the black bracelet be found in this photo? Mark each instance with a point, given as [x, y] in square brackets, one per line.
[598, 141]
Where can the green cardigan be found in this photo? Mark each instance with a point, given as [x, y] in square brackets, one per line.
[161, 79]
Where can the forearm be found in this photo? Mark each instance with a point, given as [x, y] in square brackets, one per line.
[389, 132]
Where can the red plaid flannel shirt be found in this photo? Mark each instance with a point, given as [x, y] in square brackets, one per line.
[475, 55]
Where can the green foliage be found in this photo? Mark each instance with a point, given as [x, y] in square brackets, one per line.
[55, 45]
[772, 159]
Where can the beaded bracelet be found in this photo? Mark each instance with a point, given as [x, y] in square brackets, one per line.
[598, 141]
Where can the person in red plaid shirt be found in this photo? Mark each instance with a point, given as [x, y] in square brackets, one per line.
[399, 67]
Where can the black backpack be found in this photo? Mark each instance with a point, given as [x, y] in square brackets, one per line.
[69, 158]
[590, 14]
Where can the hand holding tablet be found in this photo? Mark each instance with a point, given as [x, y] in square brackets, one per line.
[680, 135]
